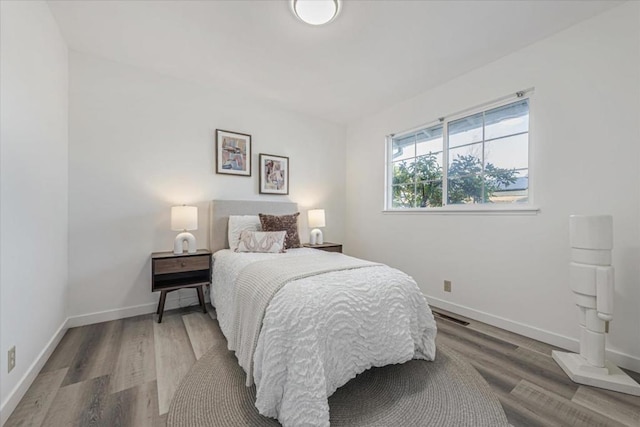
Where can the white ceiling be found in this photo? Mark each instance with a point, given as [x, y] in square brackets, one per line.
[376, 53]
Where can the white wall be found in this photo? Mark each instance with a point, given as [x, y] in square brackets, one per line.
[585, 133]
[33, 189]
[142, 142]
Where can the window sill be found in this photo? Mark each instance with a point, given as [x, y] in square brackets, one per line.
[468, 210]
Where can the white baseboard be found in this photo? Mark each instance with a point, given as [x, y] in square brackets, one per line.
[122, 313]
[27, 379]
[572, 344]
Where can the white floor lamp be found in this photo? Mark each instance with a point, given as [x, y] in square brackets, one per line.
[591, 280]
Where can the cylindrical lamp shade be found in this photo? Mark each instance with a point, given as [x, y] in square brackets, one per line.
[316, 218]
[184, 218]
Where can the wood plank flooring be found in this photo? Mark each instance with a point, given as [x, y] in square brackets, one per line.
[174, 357]
[135, 364]
[124, 373]
[533, 389]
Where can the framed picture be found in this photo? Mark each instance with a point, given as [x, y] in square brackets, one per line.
[233, 153]
[274, 174]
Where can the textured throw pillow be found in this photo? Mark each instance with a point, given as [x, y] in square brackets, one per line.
[239, 223]
[288, 223]
[261, 241]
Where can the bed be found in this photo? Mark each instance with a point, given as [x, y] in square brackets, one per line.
[324, 318]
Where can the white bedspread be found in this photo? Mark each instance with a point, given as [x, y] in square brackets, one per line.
[321, 331]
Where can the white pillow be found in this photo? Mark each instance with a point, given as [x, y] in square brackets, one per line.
[261, 241]
[239, 223]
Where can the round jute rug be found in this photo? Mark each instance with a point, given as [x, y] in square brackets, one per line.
[445, 392]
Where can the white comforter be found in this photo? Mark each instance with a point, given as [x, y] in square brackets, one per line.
[321, 331]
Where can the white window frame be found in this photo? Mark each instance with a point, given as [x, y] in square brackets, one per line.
[471, 208]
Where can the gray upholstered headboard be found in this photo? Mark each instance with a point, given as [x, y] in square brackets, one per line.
[221, 209]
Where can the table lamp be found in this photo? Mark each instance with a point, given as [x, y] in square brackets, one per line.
[316, 220]
[184, 218]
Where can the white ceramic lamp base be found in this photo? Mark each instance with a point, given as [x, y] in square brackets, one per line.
[316, 237]
[609, 377]
[184, 237]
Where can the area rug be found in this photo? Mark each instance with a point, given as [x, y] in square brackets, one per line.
[446, 392]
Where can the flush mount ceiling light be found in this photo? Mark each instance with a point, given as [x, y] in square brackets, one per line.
[316, 12]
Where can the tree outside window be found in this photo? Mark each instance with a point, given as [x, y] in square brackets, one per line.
[487, 160]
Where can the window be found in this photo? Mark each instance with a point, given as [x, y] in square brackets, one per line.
[479, 158]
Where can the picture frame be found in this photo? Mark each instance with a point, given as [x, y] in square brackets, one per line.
[233, 153]
[274, 174]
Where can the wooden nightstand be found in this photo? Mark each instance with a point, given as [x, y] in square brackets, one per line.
[170, 272]
[326, 246]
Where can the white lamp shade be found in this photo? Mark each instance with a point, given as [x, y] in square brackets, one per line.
[316, 218]
[184, 218]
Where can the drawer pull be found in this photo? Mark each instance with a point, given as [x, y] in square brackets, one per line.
[182, 264]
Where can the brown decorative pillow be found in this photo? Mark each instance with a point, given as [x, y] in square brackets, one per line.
[288, 223]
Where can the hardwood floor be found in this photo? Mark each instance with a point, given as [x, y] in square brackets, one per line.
[533, 389]
[124, 373]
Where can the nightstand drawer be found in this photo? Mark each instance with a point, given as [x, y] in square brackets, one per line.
[180, 264]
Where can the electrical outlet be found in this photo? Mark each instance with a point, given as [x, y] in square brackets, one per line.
[12, 358]
[447, 285]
